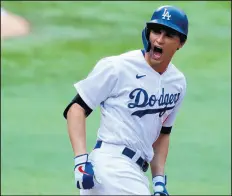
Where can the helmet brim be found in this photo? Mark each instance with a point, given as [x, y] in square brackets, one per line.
[166, 23]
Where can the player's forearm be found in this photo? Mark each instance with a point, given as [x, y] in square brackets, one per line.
[77, 129]
[161, 151]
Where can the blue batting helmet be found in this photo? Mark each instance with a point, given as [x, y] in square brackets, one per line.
[168, 16]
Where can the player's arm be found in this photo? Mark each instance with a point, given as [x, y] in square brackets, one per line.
[92, 91]
[76, 129]
[157, 164]
[161, 145]
[160, 148]
[76, 113]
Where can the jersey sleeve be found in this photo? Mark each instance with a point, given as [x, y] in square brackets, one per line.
[169, 121]
[99, 84]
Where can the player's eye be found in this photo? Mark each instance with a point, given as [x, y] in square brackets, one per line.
[168, 34]
[156, 31]
[171, 33]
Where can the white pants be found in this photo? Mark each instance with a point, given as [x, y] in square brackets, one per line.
[117, 173]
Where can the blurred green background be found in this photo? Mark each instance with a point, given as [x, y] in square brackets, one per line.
[67, 39]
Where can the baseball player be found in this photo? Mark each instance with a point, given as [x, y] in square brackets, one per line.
[139, 93]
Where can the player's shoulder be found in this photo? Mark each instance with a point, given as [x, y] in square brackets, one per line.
[176, 70]
[107, 61]
[177, 73]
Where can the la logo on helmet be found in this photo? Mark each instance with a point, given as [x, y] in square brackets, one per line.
[166, 14]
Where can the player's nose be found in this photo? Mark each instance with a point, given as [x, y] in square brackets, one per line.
[160, 38]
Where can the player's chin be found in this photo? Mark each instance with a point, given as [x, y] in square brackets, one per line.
[155, 60]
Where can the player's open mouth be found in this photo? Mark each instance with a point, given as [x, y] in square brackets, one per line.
[157, 52]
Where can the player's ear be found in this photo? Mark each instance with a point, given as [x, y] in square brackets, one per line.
[181, 45]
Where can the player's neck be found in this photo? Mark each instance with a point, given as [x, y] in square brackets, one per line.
[158, 67]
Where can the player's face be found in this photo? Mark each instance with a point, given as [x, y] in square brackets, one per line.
[164, 43]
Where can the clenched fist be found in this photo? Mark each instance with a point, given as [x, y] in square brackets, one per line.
[83, 171]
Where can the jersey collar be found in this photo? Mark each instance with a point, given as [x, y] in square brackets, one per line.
[143, 53]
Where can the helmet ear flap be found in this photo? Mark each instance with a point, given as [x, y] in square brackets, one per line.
[145, 39]
[147, 31]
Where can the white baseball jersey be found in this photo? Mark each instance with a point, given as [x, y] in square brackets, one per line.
[135, 100]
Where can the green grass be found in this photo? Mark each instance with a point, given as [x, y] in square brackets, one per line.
[67, 39]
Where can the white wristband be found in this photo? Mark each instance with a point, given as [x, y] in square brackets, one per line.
[81, 159]
[158, 188]
[158, 179]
